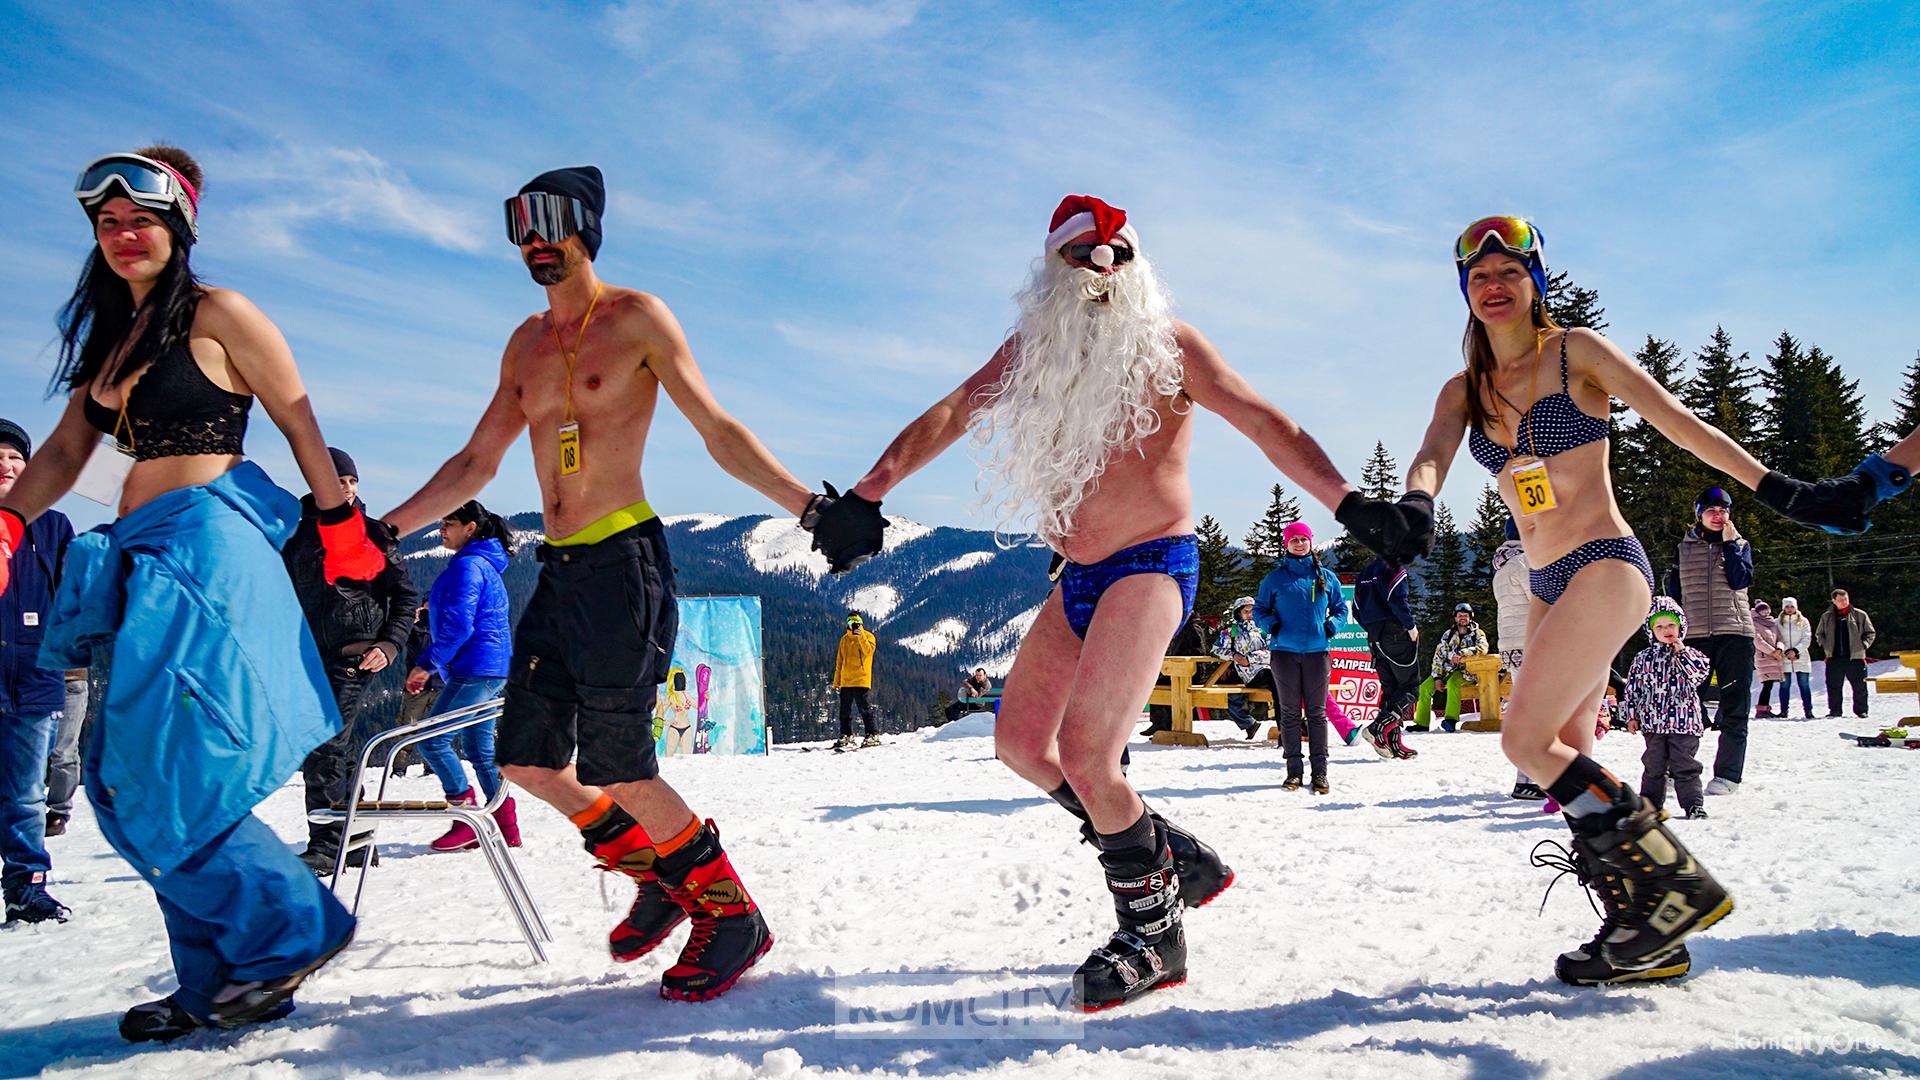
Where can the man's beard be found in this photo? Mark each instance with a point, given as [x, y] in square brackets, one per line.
[1086, 384]
[552, 273]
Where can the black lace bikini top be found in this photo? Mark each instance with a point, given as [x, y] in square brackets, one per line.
[175, 410]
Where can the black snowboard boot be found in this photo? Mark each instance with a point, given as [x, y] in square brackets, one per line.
[251, 1002]
[1670, 895]
[1587, 965]
[729, 933]
[165, 1020]
[1149, 950]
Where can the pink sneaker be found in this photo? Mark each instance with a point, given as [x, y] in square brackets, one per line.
[509, 821]
[459, 837]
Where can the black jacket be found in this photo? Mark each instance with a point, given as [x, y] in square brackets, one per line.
[348, 615]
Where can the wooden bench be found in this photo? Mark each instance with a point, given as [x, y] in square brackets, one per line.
[1181, 696]
[1492, 685]
[1910, 661]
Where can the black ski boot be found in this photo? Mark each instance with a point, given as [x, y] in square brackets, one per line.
[729, 933]
[251, 1002]
[1670, 895]
[1587, 965]
[165, 1020]
[1203, 875]
[1149, 950]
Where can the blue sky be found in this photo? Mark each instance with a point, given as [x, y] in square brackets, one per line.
[838, 199]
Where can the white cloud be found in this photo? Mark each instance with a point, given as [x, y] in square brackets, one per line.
[296, 187]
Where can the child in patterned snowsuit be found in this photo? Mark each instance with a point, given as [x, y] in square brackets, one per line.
[1663, 704]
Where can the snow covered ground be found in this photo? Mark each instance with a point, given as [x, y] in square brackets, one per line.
[1387, 929]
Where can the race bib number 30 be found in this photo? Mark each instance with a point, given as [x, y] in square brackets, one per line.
[569, 449]
[1535, 489]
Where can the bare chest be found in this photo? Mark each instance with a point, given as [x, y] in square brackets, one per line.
[602, 379]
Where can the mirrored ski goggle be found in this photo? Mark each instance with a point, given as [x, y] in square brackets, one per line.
[1517, 235]
[147, 182]
[542, 215]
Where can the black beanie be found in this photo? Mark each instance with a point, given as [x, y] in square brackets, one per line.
[11, 432]
[581, 182]
[343, 463]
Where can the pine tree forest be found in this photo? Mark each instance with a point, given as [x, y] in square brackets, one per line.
[1794, 408]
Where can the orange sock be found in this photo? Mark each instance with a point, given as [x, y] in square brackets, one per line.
[600, 808]
[678, 840]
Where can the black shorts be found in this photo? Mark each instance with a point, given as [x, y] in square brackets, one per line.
[592, 646]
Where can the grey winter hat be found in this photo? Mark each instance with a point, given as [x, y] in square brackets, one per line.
[1244, 601]
[13, 433]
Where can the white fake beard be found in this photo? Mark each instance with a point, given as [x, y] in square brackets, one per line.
[1086, 384]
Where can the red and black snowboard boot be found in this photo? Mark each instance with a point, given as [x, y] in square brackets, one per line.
[654, 913]
[729, 934]
[1149, 950]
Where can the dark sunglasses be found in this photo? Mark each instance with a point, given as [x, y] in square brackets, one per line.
[1084, 253]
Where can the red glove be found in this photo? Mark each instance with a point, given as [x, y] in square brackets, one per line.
[349, 554]
[12, 528]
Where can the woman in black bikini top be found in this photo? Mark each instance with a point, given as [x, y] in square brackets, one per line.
[1559, 490]
[216, 691]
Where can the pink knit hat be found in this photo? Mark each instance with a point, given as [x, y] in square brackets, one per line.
[1296, 529]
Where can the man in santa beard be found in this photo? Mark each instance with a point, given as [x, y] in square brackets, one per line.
[1082, 421]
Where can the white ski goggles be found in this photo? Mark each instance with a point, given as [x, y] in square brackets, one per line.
[149, 183]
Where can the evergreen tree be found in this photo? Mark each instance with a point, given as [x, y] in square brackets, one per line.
[1571, 306]
[1488, 532]
[1445, 577]
[1219, 569]
[1654, 479]
[1839, 415]
[1265, 543]
[1785, 420]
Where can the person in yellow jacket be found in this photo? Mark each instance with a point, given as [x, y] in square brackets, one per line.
[853, 675]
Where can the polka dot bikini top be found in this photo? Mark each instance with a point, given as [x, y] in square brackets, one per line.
[1552, 425]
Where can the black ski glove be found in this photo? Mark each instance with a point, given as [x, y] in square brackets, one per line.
[1836, 506]
[847, 529]
[1399, 531]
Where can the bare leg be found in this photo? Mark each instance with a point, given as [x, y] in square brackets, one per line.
[1026, 734]
[653, 803]
[1119, 663]
[1567, 655]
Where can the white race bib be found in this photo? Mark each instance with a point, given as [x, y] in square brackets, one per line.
[105, 474]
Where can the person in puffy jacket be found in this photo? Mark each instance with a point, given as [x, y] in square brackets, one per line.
[1768, 657]
[1301, 608]
[1245, 644]
[471, 647]
[1796, 663]
[1663, 704]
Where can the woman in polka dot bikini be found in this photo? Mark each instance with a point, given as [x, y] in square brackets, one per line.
[1533, 406]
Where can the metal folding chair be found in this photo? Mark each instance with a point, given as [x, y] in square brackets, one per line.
[478, 818]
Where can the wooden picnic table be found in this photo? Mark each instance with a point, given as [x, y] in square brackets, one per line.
[1181, 695]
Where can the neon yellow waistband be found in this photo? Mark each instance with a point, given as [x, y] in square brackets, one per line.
[617, 522]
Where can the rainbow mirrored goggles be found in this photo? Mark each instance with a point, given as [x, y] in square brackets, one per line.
[542, 215]
[149, 183]
[1513, 236]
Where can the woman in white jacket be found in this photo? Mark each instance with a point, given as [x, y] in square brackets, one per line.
[1796, 634]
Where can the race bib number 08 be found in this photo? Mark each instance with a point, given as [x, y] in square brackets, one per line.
[569, 449]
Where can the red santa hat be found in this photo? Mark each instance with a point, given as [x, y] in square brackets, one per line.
[1080, 213]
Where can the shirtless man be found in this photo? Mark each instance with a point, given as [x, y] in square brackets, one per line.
[597, 637]
[1084, 414]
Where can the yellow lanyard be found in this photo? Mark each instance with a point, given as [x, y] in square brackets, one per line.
[554, 324]
[1533, 391]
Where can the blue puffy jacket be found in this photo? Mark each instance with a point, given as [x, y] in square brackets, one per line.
[468, 607]
[1295, 613]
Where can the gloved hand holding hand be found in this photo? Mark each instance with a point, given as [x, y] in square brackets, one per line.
[848, 529]
[12, 528]
[1400, 531]
[348, 552]
[1836, 506]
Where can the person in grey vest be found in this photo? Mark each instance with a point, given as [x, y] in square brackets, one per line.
[1710, 577]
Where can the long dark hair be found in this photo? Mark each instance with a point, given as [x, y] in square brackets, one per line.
[1481, 393]
[100, 313]
[492, 525]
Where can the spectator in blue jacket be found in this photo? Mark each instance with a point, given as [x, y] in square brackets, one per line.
[31, 698]
[1300, 607]
[472, 644]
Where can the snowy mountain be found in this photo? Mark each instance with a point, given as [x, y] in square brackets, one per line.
[941, 601]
